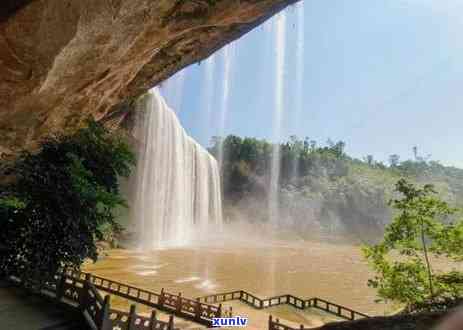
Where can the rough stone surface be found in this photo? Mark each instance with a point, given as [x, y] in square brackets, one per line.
[63, 60]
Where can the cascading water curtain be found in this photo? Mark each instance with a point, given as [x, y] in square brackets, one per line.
[177, 181]
[280, 44]
[207, 97]
[298, 91]
[228, 54]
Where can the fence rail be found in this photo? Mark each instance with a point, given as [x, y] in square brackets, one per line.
[276, 325]
[256, 302]
[83, 295]
[175, 304]
[82, 290]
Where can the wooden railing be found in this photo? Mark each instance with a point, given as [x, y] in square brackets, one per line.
[287, 299]
[276, 325]
[83, 295]
[82, 290]
[175, 304]
[98, 311]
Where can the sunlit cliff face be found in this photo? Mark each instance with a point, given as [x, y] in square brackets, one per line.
[64, 61]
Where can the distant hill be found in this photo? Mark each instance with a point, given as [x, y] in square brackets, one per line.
[323, 192]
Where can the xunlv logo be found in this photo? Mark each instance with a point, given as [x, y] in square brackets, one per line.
[236, 321]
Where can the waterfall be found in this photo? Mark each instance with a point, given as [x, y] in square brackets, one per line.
[299, 59]
[228, 53]
[178, 195]
[207, 97]
[280, 44]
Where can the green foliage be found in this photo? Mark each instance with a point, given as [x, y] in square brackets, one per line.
[247, 163]
[422, 231]
[60, 201]
[245, 160]
[394, 160]
[11, 203]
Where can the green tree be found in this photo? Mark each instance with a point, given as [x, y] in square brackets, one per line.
[422, 231]
[63, 195]
[338, 149]
[370, 160]
[394, 160]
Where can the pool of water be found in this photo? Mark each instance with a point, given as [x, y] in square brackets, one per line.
[336, 272]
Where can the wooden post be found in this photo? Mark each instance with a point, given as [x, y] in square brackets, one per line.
[153, 320]
[64, 270]
[83, 298]
[161, 298]
[219, 311]
[105, 321]
[230, 311]
[170, 326]
[60, 287]
[198, 310]
[301, 327]
[270, 323]
[132, 318]
[179, 302]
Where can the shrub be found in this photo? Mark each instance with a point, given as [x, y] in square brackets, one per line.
[63, 195]
[423, 230]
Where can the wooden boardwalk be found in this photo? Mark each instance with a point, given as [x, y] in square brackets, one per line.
[82, 295]
[175, 304]
[82, 291]
[287, 299]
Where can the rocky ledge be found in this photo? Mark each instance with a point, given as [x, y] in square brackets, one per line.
[64, 60]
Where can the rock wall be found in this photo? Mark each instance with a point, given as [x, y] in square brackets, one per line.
[64, 60]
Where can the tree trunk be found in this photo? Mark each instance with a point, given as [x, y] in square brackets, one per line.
[428, 264]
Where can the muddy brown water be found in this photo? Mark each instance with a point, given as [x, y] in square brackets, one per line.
[335, 272]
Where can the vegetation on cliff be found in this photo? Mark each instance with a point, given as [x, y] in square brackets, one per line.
[406, 261]
[323, 187]
[61, 199]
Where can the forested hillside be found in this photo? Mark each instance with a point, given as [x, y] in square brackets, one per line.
[323, 191]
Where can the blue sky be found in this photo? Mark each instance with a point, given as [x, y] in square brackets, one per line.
[381, 75]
